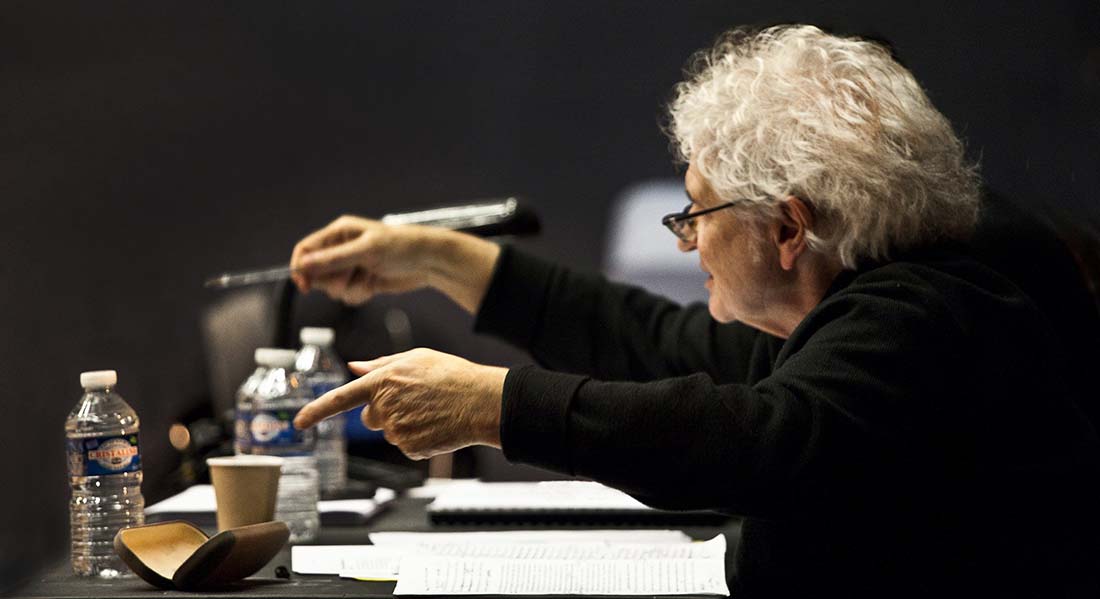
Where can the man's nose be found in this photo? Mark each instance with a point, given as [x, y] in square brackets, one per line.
[685, 246]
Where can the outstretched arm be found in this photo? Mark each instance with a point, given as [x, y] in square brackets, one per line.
[353, 258]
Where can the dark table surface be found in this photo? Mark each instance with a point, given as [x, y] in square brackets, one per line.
[402, 514]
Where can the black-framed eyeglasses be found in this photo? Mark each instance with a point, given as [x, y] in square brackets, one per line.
[682, 224]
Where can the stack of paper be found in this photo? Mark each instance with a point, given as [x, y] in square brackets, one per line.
[197, 503]
[618, 562]
[617, 535]
[571, 501]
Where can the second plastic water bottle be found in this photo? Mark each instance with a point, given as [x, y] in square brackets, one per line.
[279, 396]
[323, 371]
[242, 413]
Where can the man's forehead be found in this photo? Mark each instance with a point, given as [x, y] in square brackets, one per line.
[695, 185]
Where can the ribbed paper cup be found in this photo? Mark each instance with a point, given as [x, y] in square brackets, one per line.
[245, 487]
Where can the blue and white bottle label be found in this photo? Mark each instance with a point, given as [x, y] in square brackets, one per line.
[275, 429]
[319, 388]
[242, 430]
[98, 456]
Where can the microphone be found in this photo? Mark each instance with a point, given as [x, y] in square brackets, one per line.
[489, 218]
[486, 218]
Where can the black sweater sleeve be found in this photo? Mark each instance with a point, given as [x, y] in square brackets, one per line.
[850, 393]
[581, 323]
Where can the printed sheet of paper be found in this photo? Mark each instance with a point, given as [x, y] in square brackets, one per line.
[198, 498]
[434, 487]
[381, 496]
[576, 570]
[529, 536]
[542, 495]
[367, 562]
[383, 562]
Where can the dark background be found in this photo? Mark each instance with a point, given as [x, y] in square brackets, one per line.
[145, 145]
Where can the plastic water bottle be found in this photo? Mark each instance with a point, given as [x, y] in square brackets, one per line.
[242, 414]
[323, 371]
[279, 396]
[105, 475]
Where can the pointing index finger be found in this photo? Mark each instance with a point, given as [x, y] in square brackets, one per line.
[341, 399]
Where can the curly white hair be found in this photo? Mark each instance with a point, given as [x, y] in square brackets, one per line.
[837, 122]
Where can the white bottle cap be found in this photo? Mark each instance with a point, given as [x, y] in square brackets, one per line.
[98, 379]
[316, 336]
[275, 358]
[262, 355]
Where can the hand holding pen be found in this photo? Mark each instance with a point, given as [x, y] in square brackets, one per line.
[505, 216]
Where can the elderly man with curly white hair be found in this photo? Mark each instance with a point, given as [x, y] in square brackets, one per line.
[884, 411]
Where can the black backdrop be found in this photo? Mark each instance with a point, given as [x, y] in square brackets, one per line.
[144, 145]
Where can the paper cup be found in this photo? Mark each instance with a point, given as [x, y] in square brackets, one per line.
[245, 487]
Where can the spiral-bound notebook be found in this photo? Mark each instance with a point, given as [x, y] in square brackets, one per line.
[553, 502]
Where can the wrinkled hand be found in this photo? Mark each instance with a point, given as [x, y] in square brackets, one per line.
[352, 259]
[425, 402]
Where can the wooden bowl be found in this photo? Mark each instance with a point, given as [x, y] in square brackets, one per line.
[176, 555]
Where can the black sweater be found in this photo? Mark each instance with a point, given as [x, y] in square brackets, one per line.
[911, 436]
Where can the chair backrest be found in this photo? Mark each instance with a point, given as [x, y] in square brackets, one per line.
[641, 252]
[232, 328]
[1060, 270]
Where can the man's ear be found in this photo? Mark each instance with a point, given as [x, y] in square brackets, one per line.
[795, 220]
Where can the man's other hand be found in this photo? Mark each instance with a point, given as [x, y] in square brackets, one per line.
[425, 402]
